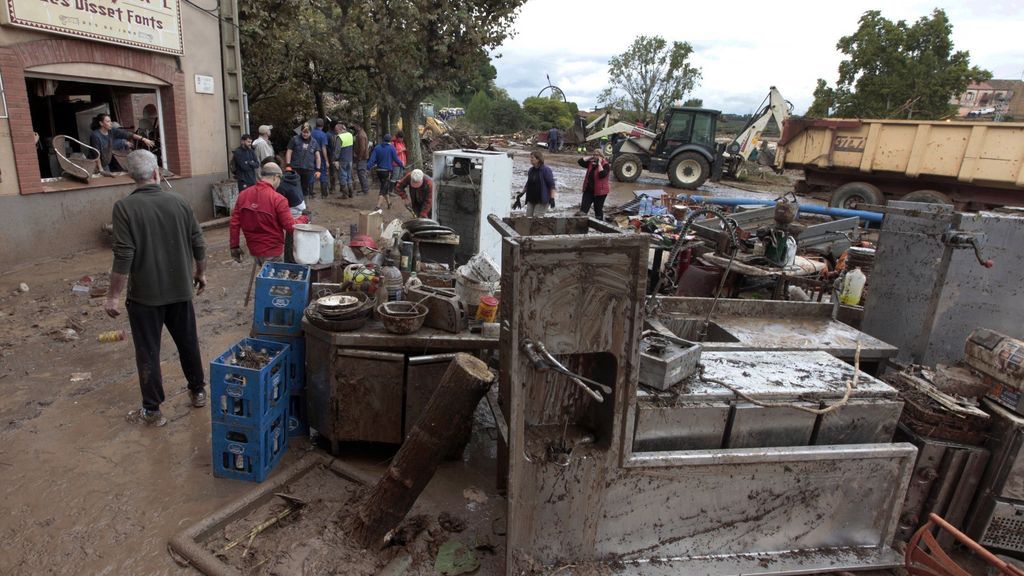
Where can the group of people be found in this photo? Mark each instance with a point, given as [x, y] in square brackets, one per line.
[539, 189]
[334, 161]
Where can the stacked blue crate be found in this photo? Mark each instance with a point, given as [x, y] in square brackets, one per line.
[280, 301]
[295, 371]
[249, 409]
[277, 317]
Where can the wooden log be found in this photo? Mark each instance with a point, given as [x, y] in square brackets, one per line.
[434, 435]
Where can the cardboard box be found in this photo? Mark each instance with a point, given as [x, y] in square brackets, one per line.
[371, 223]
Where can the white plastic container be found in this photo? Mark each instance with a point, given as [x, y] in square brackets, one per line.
[306, 249]
[326, 247]
[853, 287]
[470, 291]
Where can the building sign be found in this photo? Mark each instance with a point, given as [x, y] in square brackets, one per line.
[204, 84]
[145, 24]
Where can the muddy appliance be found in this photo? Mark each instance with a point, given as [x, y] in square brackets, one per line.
[997, 519]
[942, 274]
[580, 491]
[1001, 360]
[469, 185]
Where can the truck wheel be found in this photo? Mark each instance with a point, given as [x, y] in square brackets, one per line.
[852, 193]
[688, 170]
[606, 148]
[927, 197]
[627, 168]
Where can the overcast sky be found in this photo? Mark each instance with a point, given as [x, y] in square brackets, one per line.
[742, 47]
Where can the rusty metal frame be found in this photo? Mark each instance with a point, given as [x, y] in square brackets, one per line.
[786, 510]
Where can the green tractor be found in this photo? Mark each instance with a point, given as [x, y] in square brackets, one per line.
[687, 151]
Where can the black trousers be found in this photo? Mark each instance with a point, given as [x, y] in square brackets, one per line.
[597, 201]
[384, 177]
[306, 178]
[147, 324]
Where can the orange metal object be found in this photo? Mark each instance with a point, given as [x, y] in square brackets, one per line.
[925, 557]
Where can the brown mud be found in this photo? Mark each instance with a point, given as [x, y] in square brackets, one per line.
[84, 492]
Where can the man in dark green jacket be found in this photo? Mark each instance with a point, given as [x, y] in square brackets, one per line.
[160, 255]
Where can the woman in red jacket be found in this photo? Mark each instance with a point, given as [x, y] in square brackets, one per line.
[595, 183]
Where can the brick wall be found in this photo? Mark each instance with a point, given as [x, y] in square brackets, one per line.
[14, 60]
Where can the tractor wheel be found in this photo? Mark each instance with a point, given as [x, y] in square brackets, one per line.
[688, 170]
[927, 197]
[606, 148]
[627, 168]
[852, 193]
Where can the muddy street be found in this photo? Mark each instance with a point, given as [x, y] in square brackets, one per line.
[84, 492]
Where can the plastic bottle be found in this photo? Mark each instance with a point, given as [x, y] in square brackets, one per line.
[645, 205]
[111, 336]
[413, 282]
[392, 283]
[853, 287]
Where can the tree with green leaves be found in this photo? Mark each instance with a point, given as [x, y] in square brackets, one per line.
[420, 47]
[650, 75]
[897, 70]
[545, 112]
[694, 103]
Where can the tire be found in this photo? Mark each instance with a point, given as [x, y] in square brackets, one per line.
[627, 168]
[852, 193]
[688, 170]
[607, 149]
[927, 197]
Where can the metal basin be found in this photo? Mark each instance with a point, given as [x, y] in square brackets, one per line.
[689, 329]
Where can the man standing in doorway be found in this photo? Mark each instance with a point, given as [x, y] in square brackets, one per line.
[102, 138]
[160, 255]
[360, 155]
[264, 149]
[244, 163]
[263, 216]
[321, 139]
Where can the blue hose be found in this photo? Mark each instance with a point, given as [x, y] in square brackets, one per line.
[808, 208]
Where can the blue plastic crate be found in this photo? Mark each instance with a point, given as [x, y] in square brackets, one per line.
[296, 362]
[298, 419]
[280, 302]
[249, 453]
[247, 396]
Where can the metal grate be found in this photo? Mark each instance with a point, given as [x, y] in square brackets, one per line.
[1006, 527]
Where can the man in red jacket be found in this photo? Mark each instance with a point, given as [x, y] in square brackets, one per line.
[263, 216]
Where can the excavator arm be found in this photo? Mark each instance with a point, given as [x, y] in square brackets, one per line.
[774, 107]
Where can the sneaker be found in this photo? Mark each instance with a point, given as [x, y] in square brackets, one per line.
[198, 398]
[147, 417]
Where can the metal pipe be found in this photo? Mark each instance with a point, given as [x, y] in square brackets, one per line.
[873, 217]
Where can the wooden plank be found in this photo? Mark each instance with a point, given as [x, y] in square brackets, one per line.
[870, 147]
[918, 150]
[974, 147]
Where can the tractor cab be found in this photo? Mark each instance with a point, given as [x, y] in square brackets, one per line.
[685, 150]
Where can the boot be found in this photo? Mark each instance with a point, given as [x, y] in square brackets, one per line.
[348, 187]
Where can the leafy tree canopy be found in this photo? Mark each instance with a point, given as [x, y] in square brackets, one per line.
[650, 75]
[897, 70]
[546, 112]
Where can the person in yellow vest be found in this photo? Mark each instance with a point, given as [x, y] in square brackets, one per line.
[343, 159]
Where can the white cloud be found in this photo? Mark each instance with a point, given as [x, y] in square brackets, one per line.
[742, 47]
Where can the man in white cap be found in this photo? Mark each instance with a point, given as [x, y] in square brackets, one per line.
[417, 190]
[264, 149]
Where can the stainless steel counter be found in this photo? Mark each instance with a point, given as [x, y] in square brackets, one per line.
[741, 325]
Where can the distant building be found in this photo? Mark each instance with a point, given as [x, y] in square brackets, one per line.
[994, 99]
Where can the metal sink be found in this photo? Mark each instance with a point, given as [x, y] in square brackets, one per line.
[689, 329]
